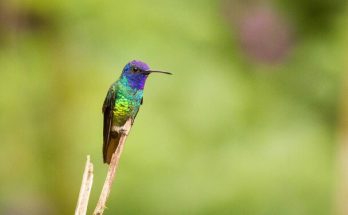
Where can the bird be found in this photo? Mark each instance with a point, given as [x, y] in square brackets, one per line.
[122, 102]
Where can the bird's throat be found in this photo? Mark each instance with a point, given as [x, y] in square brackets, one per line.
[136, 82]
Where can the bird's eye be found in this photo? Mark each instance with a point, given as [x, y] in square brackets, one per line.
[135, 69]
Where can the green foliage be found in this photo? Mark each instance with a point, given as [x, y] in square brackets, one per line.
[223, 135]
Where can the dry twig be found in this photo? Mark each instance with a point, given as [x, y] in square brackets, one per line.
[85, 190]
[112, 171]
[342, 155]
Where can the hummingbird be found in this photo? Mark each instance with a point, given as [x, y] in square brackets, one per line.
[122, 102]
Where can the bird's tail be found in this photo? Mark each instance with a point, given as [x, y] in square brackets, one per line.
[110, 148]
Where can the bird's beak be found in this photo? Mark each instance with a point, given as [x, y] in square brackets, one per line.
[147, 72]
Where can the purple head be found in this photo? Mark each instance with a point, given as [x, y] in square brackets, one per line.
[135, 78]
[136, 73]
[140, 65]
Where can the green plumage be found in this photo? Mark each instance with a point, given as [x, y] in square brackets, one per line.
[121, 103]
[127, 103]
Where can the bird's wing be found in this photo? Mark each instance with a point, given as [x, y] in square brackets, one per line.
[107, 109]
[141, 102]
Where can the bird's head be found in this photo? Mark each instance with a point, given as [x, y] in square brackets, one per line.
[136, 73]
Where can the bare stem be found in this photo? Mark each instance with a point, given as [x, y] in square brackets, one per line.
[342, 154]
[85, 190]
[101, 205]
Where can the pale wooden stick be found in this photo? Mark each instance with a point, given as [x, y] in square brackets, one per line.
[99, 210]
[342, 154]
[85, 190]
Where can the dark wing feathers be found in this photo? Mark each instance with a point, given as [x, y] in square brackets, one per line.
[107, 109]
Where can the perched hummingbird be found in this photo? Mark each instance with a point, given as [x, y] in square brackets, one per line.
[122, 102]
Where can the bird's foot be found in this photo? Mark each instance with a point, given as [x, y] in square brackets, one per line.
[120, 130]
[123, 131]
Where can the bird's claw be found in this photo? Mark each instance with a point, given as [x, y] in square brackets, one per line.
[120, 130]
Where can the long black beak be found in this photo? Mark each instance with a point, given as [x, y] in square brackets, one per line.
[147, 72]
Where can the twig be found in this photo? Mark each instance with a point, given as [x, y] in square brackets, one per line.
[85, 190]
[342, 154]
[99, 210]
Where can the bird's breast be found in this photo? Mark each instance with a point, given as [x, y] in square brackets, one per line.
[126, 105]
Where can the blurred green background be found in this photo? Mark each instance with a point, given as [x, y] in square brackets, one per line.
[247, 124]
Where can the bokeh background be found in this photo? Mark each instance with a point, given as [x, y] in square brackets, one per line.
[252, 122]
